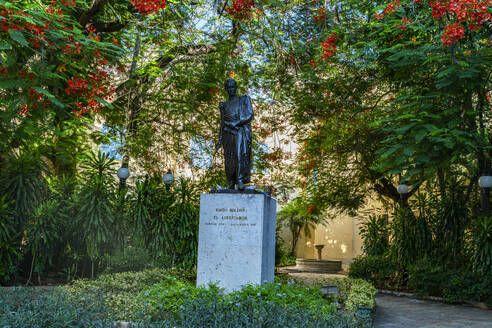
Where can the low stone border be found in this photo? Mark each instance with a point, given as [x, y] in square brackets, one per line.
[394, 293]
[479, 305]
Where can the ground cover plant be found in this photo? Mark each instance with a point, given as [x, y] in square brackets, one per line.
[120, 291]
[161, 298]
[168, 298]
[26, 307]
[352, 293]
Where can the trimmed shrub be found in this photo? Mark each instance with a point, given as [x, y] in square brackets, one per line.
[381, 271]
[424, 278]
[454, 285]
[220, 313]
[308, 298]
[468, 286]
[175, 304]
[361, 293]
[23, 308]
[170, 296]
[351, 292]
[119, 291]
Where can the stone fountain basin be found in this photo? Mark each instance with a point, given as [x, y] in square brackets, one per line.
[318, 266]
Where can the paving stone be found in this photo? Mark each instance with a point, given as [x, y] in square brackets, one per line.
[404, 312]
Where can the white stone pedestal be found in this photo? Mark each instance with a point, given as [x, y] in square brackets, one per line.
[236, 240]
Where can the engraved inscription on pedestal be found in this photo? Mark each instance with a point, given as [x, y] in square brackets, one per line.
[236, 240]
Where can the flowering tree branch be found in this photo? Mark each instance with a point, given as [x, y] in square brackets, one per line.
[91, 12]
[109, 27]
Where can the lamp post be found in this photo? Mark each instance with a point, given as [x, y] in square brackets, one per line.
[123, 173]
[485, 182]
[168, 179]
[403, 191]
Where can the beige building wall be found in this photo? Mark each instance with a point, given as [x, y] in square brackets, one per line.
[340, 235]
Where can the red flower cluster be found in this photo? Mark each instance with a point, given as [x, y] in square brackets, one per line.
[328, 47]
[390, 7]
[439, 9]
[214, 91]
[146, 7]
[37, 32]
[74, 48]
[241, 9]
[453, 32]
[311, 208]
[379, 16]
[66, 3]
[24, 110]
[24, 75]
[93, 35]
[90, 89]
[321, 15]
[404, 24]
[472, 12]
[37, 98]
[3, 71]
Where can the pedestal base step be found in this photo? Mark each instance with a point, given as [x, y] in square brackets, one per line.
[318, 266]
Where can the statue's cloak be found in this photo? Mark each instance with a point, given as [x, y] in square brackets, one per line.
[237, 143]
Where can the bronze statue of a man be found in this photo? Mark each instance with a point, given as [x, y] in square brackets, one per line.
[236, 136]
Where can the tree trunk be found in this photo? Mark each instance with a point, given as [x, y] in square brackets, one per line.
[294, 243]
[296, 231]
[442, 182]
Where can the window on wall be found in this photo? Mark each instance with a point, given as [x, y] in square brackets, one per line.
[201, 153]
[115, 142]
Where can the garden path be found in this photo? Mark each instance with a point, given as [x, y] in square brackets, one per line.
[404, 312]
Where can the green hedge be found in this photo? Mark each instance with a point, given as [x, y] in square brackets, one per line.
[27, 307]
[425, 278]
[173, 303]
[454, 285]
[360, 294]
[382, 271]
[119, 291]
[169, 298]
[215, 312]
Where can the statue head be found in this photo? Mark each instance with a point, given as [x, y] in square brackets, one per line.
[231, 87]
